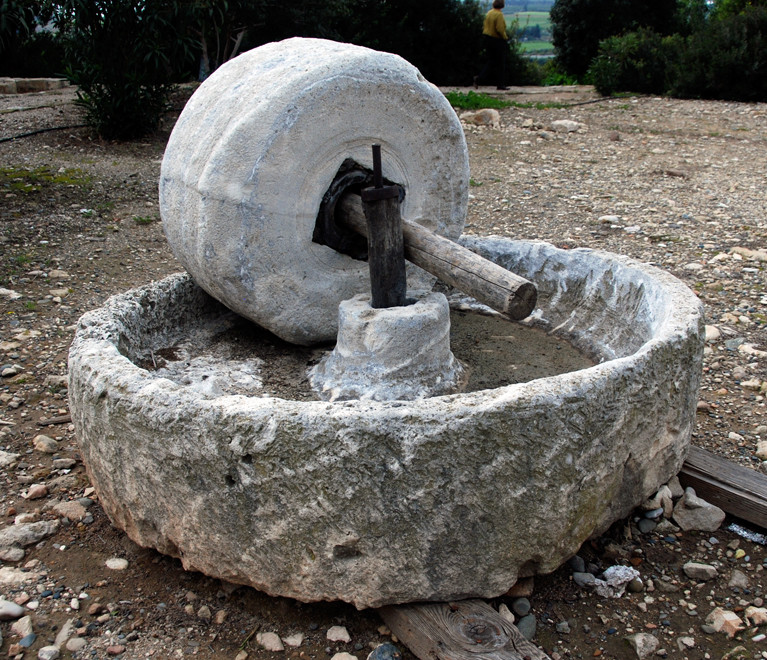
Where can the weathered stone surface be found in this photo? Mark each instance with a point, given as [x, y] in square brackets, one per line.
[390, 353]
[693, 513]
[644, 644]
[698, 571]
[257, 147]
[385, 502]
[20, 536]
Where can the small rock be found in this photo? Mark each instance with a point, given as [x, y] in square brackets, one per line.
[756, 615]
[385, 651]
[565, 126]
[242, 655]
[36, 491]
[506, 613]
[685, 643]
[294, 640]
[584, 579]
[527, 625]
[49, 653]
[71, 510]
[523, 588]
[738, 580]
[22, 627]
[220, 617]
[44, 444]
[577, 564]
[338, 634]
[7, 458]
[204, 614]
[646, 525]
[761, 450]
[521, 607]
[693, 513]
[713, 333]
[117, 563]
[614, 581]
[344, 656]
[725, 621]
[115, 649]
[270, 641]
[10, 611]
[696, 571]
[644, 644]
[563, 627]
[636, 586]
[483, 117]
[75, 644]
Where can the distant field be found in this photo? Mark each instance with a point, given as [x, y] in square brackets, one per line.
[536, 47]
[531, 18]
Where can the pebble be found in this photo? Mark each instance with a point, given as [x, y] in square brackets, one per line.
[117, 563]
[644, 644]
[204, 614]
[338, 634]
[45, 444]
[115, 649]
[49, 653]
[521, 606]
[527, 625]
[270, 641]
[36, 491]
[295, 640]
[385, 651]
[696, 571]
[10, 611]
[75, 644]
[344, 656]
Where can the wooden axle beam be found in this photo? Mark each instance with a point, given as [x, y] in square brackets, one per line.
[489, 283]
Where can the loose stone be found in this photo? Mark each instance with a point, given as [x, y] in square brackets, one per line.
[697, 571]
[294, 640]
[117, 563]
[9, 610]
[693, 513]
[521, 607]
[48, 653]
[270, 641]
[338, 634]
[75, 644]
[385, 651]
[45, 444]
[527, 625]
[644, 644]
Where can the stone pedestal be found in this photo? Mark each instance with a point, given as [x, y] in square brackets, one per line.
[390, 353]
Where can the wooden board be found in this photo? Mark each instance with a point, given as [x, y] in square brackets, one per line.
[464, 630]
[735, 489]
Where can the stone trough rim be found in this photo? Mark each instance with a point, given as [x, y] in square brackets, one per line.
[671, 325]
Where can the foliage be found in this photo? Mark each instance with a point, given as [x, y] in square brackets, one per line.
[637, 62]
[25, 50]
[553, 74]
[475, 101]
[120, 55]
[726, 60]
[579, 25]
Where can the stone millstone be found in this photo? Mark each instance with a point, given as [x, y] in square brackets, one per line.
[370, 502]
[259, 144]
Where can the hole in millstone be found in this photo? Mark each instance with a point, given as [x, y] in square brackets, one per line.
[247, 459]
[328, 230]
[229, 480]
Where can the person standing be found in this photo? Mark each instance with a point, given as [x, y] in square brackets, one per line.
[495, 41]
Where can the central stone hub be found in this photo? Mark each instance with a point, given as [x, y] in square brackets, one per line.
[392, 353]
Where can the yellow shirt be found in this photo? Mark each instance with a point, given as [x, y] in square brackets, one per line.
[495, 25]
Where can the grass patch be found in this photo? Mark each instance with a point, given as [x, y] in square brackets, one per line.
[145, 219]
[25, 181]
[474, 101]
[539, 106]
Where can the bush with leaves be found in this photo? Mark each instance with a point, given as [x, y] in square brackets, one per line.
[578, 26]
[638, 62]
[727, 59]
[121, 55]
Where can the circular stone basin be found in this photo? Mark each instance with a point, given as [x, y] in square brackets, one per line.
[377, 503]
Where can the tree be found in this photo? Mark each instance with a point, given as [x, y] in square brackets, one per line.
[121, 55]
[579, 25]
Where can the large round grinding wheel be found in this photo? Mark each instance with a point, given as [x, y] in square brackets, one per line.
[259, 144]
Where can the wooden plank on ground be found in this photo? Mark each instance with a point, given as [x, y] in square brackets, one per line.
[735, 489]
[463, 630]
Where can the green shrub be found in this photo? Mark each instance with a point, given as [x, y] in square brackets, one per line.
[727, 59]
[635, 62]
[120, 56]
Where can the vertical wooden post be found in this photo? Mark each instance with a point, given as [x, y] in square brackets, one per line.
[386, 250]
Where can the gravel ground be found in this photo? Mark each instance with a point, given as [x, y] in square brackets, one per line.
[679, 184]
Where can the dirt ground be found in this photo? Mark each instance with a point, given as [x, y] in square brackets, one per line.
[679, 184]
